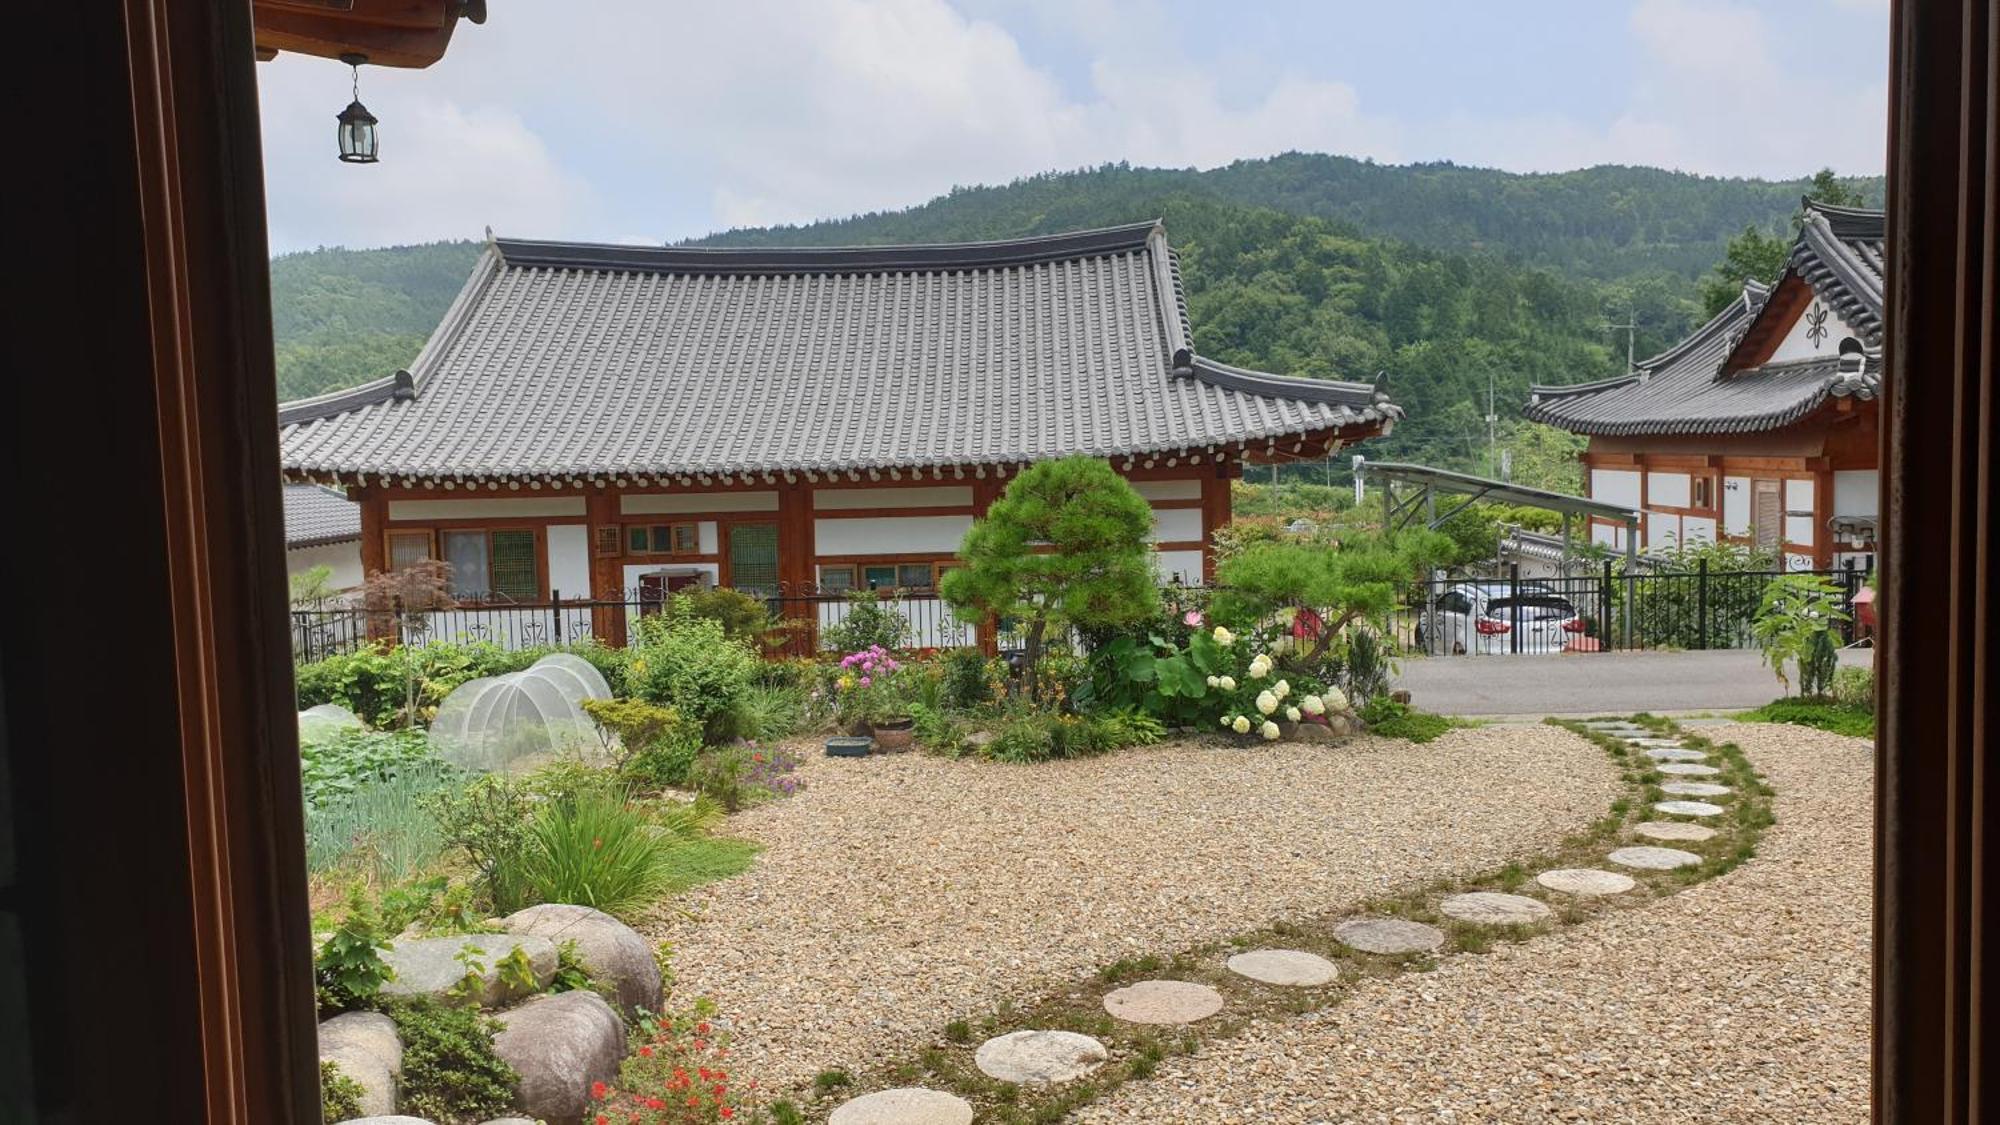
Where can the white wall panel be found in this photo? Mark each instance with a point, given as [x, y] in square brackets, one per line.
[1177, 525]
[1663, 531]
[499, 507]
[342, 560]
[1816, 334]
[679, 503]
[634, 570]
[1799, 529]
[889, 535]
[863, 499]
[708, 538]
[1610, 536]
[1736, 506]
[1798, 496]
[1669, 490]
[1168, 489]
[1615, 486]
[1697, 529]
[569, 560]
[1854, 492]
[1184, 565]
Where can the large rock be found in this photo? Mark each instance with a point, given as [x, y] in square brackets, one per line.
[560, 1045]
[612, 952]
[386, 1119]
[365, 1047]
[433, 966]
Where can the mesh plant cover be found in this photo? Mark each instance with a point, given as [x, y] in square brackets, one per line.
[519, 720]
[316, 723]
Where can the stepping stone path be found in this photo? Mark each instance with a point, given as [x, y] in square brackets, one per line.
[910, 1105]
[1388, 935]
[1687, 769]
[1653, 859]
[1037, 1057]
[1586, 882]
[1163, 1001]
[1658, 743]
[1673, 830]
[1675, 754]
[1686, 808]
[1289, 967]
[1695, 789]
[1490, 908]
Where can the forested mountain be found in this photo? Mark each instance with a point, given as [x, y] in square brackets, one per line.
[1439, 278]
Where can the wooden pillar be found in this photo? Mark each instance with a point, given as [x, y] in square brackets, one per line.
[984, 492]
[1215, 503]
[1822, 515]
[607, 571]
[798, 552]
[374, 529]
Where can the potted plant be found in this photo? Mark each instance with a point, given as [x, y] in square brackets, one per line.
[873, 700]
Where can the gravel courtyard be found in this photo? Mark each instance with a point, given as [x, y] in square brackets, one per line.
[1742, 999]
[897, 893]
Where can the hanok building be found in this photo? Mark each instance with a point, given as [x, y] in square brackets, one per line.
[322, 528]
[1760, 428]
[590, 420]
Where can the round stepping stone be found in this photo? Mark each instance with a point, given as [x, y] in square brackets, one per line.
[1695, 789]
[1163, 1001]
[1034, 1058]
[1686, 808]
[1491, 908]
[1653, 859]
[1586, 881]
[1658, 743]
[1673, 830]
[1388, 935]
[1675, 754]
[1289, 967]
[910, 1105]
[1687, 769]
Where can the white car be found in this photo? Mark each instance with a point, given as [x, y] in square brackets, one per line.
[1482, 617]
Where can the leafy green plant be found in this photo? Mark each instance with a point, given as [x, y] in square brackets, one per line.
[603, 851]
[487, 820]
[1854, 688]
[938, 731]
[722, 775]
[1066, 544]
[1364, 665]
[1669, 614]
[571, 975]
[517, 973]
[770, 712]
[1794, 626]
[339, 1095]
[450, 1072]
[967, 678]
[1358, 578]
[867, 623]
[466, 989]
[1039, 736]
[338, 762]
[348, 970]
[380, 830]
[1840, 718]
[744, 618]
[1391, 719]
[692, 665]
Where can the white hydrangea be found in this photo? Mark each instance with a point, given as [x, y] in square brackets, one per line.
[1292, 713]
[1334, 699]
[1269, 730]
[1214, 680]
[1241, 725]
[1282, 645]
[1312, 705]
[1281, 689]
[1223, 636]
[1226, 683]
[1266, 702]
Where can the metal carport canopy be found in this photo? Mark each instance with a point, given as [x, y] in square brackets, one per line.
[1482, 488]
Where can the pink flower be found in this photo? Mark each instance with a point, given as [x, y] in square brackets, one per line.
[1192, 618]
[865, 681]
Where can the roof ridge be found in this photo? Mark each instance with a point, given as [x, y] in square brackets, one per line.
[885, 258]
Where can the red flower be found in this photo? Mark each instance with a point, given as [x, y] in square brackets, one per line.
[694, 1101]
[598, 1090]
[727, 1113]
[603, 1120]
[701, 1028]
[645, 1052]
[596, 843]
[700, 1045]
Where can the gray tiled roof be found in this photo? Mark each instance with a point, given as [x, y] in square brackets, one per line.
[1683, 390]
[317, 517]
[561, 359]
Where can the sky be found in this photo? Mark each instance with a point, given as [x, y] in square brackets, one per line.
[657, 120]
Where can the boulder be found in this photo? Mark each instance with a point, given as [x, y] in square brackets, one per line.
[980, 739]
[365, 1047]
[1317, 732]
[1400, 696]
[508, 1121]
[386, 1119]
[612, 952]
[560, 1045]
[433, 966]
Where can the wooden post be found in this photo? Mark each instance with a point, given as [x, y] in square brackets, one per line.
[1215, 508]
[607, 573]
[984, 492]
[374, 530]
[798, 549]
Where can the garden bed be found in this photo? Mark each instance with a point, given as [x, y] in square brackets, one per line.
[895, 894]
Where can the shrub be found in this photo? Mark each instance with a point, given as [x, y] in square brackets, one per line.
[1391, 719]
[1668, 614]
[339, 1095]
[488, 821]
[450, 1072]
[1035, 736]
[402, 685]
[867, 624]
[1853, 720]
[1854, 687]
[656, 746]
[348, 970]
[737, 775]
[677, 1074]
[691, 665]
[770, 712]
[603, 851]
[1364, 666]
[344, 760]
[968, 678]
[938, 731]
[1795, 624]
[744, 618]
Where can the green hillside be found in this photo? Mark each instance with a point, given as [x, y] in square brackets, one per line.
[1440, 279]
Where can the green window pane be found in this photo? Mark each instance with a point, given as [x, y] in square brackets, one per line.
[836, 578]
[663, 540]
[635, 540]
[878, 577]
[513, 565]
[914, 576]
[753, 557]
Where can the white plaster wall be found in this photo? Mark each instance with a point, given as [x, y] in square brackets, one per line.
[1798, 562]
[1663, 531]
[1177, 525]
[1615, 486]
[343, 559]
[852, 499]
[1610, 536]
[633, 571]
[928, 622]
[1168, 489]
[1697, 529]
[569, 560]
[1799, 343]
[889, 535]
[1736, 505]
[708, 537]
[481, 507]
[1854, 492]
[1185, 565]
[681, 503]
[1799, 498]
[1671, 490]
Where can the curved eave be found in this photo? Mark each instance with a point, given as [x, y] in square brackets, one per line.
[1862, 387]
[320, 541]
[1358, 397]
[768, 261]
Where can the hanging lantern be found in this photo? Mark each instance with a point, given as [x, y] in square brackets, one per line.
[358, 140]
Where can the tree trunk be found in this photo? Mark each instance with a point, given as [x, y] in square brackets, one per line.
[1033, 654]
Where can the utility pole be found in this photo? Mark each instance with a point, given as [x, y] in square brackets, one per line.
[1631, 327]
[1492, 430]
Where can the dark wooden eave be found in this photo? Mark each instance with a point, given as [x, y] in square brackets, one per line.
[405, 33]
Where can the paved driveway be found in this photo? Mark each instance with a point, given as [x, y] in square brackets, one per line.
[1595, 683]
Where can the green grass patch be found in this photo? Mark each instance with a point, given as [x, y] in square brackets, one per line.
[1820, 714]
[705, 860]
[1391, 719]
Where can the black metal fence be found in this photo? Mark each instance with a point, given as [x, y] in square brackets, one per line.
[1602, 612]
